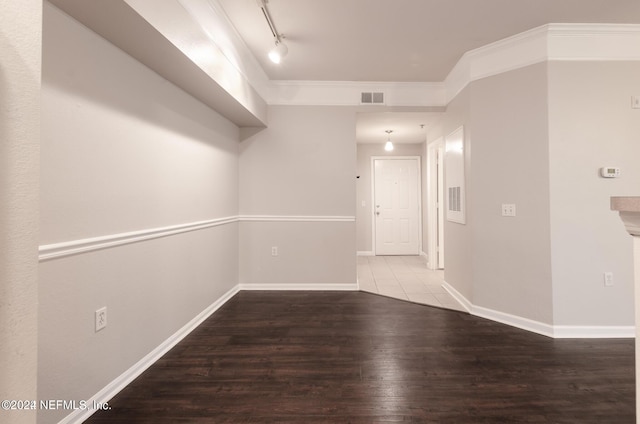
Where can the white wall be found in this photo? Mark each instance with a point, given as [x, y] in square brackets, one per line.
[20, 49]
[364, 214]
[124, 151]
[302, 165]
[592, 125]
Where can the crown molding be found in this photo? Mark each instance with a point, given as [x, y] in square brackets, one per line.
[594, 42]
[347, 93]
[244, 81]
[252, 88]
[586, 42]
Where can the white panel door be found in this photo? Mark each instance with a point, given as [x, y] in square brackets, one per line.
[396, 206]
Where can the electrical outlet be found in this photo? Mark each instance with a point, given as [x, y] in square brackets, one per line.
[508, 210]
[101, 318]
[608, 279]
[274, 251]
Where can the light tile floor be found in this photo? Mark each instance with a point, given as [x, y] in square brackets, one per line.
[406, 278]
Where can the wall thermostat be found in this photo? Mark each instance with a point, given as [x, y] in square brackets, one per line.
[610, 172]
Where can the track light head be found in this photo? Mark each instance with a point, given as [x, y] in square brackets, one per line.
[278, 52]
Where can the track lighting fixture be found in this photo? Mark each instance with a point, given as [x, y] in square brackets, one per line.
[280, 50]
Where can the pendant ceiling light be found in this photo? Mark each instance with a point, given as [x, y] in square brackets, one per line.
[388, 145]
[280, 50]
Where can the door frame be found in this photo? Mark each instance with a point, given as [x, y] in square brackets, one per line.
[435, 204]
[373, 197]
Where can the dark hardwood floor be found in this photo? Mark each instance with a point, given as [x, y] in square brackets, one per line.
[354, 357]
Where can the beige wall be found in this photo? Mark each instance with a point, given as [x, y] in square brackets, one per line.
[510, 164]
[543, 155]
[302, 165]
[592, 125]
[364, 213]
[457, 237]
[20, 49]
[311, 255]
[123, 151]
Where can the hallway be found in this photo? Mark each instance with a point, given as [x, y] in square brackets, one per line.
[406, 278]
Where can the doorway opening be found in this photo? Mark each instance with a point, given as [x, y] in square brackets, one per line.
[388, 262]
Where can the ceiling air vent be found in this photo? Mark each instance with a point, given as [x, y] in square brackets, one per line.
[369, 98]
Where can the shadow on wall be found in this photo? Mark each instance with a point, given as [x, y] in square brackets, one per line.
[92, 79]
[248, 132]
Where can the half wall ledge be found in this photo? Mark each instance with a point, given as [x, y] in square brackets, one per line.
[629, 209]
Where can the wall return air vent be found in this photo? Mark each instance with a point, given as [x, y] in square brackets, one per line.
[371, 98]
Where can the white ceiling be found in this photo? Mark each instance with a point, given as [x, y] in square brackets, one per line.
[384, 41]
[399, 40]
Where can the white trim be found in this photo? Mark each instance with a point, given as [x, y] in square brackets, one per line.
[299, 287]
[588, 42]
[593, 332]
[553, 331]
[455, 174]
[594, 42]
[69, 248]
[547, 42]
[295, 218]
[517, 51]
[513, 320]
[365, 253]
[75, 247]
[435, 175]
[457, 296]
[113, 388]
[347, 93]
[120, 382]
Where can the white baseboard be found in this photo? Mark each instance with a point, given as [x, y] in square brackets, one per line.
[113, 388]
[594, 332]
[514, 321]
[553, 331]
[300, 287]
[458, 296]
[365, 253]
